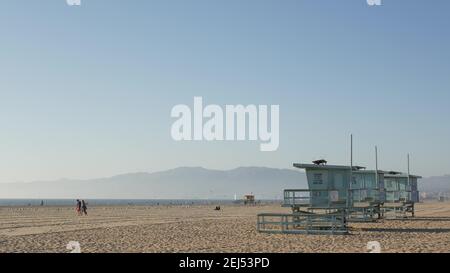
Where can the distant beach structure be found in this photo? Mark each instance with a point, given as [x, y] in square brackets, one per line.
[443, 197]
[249, 199]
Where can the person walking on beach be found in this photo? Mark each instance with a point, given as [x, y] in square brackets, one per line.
[78, 207]
[83, 207]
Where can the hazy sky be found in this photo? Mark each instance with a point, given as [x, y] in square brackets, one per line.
[87, 91]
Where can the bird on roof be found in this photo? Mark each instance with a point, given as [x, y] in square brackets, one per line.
[320, 162]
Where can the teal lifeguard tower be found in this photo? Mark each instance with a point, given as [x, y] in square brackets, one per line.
[339, 194]
[330, 187]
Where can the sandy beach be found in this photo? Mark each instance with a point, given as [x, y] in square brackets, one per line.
[200, 228]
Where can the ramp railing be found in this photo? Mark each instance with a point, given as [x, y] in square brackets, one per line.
[303, 223]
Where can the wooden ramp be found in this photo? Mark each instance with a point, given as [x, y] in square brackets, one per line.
[303, 223]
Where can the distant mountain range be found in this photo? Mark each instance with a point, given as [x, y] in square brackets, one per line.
[435, 184]
[183, 183]
[179, 183]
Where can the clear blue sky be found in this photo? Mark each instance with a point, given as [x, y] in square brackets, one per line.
[87, 91]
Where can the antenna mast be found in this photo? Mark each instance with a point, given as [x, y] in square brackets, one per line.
[376, 165]
[351, 171]
[408, 169]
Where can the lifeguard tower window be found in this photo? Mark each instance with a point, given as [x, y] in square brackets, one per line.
[317, 178]
[354, 181]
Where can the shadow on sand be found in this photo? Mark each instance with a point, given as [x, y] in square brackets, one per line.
[408, 230]
[419, 230]
[428, 219]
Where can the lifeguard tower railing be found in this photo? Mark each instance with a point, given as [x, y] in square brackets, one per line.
[310, 200]
[303, 223]
[364, 204]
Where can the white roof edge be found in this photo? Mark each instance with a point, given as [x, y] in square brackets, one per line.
[388, 173]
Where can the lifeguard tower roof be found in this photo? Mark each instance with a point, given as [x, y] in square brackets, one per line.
[355, 168]
[324, 166]
[400, 174]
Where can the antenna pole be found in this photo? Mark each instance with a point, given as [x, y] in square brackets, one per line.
[351, 171]
[351, 152]
[377, 181]
[408, 169]
[410, 186]
[376, 165]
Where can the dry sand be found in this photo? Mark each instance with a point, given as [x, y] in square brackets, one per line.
[201, 229]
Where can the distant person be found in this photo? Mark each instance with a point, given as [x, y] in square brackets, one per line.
[83, 207]
[78, 207]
